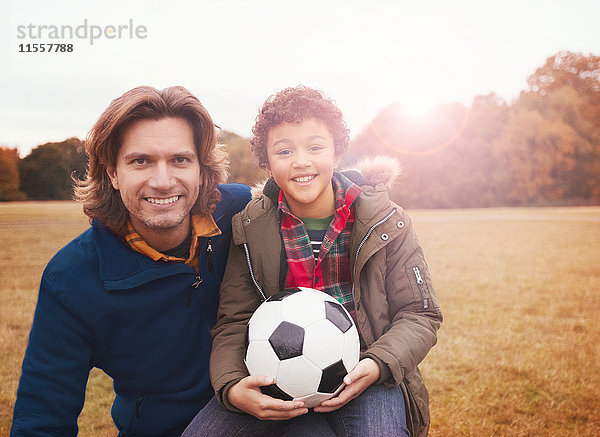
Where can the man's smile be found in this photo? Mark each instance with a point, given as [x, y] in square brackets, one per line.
[159, 201]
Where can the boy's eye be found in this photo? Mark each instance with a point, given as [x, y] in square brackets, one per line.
[315, 147]
[284, 152]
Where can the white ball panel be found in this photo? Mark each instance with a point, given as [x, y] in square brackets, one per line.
[264, 321]
[298, 377]
[323, 344]
[303, 308]
[351, 352]
[261, 359]
[321, 293]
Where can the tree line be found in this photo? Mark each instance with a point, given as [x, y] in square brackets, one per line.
[45, 174]
[541, 149]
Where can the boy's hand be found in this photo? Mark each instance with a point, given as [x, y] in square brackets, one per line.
[246, 396]
[365, 373]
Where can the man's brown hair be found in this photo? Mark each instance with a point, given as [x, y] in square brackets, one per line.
[100, 200]
[294, 105]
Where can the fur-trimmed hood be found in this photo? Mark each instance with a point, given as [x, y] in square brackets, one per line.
[378, 170]
[368, 171]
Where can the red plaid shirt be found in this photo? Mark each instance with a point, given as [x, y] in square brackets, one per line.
[331, 271]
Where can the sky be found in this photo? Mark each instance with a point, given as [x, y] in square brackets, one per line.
[233, 54]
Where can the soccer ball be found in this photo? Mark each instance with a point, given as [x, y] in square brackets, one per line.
[306, 341]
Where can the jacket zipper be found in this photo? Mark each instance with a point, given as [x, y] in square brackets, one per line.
[368, 234]
[264, 298]
[421, 284]
[195, 285]
[209, 255]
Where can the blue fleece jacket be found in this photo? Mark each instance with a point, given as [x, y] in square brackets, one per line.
[144, 323]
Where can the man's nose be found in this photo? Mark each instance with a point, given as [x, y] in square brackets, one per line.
[162, 179]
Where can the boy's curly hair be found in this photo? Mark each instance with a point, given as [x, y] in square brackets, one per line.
[293, 105]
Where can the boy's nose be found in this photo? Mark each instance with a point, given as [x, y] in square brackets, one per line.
[161, 178]
[301, 160]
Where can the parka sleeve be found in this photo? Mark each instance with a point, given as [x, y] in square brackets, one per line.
[55, 370]
[413, 307]
[237, 302]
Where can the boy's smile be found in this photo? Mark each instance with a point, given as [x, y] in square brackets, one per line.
[301, 158]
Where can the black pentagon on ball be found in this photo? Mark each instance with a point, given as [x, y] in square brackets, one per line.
[280, 295]
[332, 377]
[275, 392]
[335, 313]
[287, 340]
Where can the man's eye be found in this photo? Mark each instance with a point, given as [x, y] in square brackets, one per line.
[140, 161]
[181, 160]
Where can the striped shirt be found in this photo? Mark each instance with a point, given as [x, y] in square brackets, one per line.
[316, 229]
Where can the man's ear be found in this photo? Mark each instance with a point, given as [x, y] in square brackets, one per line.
[112, 174]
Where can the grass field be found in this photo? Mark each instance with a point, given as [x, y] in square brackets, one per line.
[519, 350]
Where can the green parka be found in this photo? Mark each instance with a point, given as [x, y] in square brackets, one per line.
[396, 308]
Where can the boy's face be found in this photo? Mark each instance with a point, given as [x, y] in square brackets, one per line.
[301, 158]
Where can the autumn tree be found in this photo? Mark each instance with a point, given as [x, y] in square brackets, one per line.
[576, 71]
[445, 155]
[9, 175]
[535, 158]
[474, 180]
[46, 173]
[242, 165]
[566, 91]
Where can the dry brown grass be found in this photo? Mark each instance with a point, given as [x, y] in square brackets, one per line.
[518, 353]
[30, 234]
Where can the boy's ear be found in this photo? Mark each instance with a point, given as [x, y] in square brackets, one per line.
[337, 162]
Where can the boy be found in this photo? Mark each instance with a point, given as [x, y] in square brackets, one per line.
[367, 257]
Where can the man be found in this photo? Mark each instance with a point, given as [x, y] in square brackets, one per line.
[136, 294]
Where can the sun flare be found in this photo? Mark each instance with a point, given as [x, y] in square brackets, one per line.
[416, 104]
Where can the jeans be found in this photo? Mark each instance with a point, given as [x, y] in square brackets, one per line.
[378, 411]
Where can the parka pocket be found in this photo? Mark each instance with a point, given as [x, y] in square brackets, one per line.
[138, 408]
[127, 410]
[139, 403]
[420, 283]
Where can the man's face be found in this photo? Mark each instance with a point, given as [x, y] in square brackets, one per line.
[301, 158]
[158, 174]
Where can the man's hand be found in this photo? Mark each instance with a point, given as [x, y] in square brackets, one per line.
[246, 396]
[365, 373]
